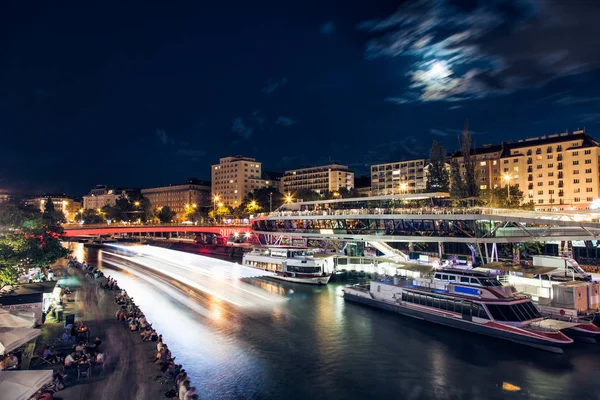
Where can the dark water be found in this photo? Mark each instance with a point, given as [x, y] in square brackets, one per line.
[318, 346]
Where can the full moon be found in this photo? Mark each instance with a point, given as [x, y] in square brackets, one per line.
[439, 70]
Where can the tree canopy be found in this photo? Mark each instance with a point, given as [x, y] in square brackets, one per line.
[28, 238]
[438, 178]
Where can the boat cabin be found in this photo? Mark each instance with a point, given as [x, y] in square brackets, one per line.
[466, 278]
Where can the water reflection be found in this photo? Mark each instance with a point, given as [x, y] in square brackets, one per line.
[318, 346]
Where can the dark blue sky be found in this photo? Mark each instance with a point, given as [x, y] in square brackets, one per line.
[133, 94]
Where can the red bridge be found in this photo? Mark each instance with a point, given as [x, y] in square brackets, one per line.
[97, 230]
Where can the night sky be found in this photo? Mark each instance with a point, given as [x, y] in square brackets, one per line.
[140, 95]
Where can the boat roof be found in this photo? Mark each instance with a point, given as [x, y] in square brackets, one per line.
[464, 272]
[535, 270]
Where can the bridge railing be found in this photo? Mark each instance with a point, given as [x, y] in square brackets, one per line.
[121, 225]
[549, 215]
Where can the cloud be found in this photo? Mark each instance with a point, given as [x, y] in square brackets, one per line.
[191, 153]
[327, 28]
[273, 84]
[285, 121]
[438, 132]
[397, 100]
[258, 117]
[458, 52]
[240, 128]
[570, 100]
[163, 138]
[455, 107]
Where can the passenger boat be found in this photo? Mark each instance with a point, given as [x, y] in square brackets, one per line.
[479, 305]
[582, 326]
[290, 264]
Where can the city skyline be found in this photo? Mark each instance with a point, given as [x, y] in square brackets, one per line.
[149, 96]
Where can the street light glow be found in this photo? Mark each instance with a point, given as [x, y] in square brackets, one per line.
[288, 198]
[137, 203]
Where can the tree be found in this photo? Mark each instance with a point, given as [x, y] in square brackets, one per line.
[166, 214]
[51, 214]
[90, 216]
[305, 195]
[470, 178]
[499, 197]
[27, 238]
[437, 178]
[222, 211]
[457, 186]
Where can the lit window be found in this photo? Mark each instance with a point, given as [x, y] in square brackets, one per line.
[483, 163]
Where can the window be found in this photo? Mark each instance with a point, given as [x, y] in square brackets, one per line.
[516, 169]
[540, 192]
[540, 183]
[575, 153]
[505, 161]
[551, 183]
[575, 162]
[483, 163]
[516, 160]
[550, 165]
[589, 190]
[550, 156]
[550, 174]
[588, 180]
[587, 152]
[483, 187]
[505, 169]
[590, 198]
[576, 190]
[575, 181]
[575, 172]
[577, 199]
[588, 170]
[588, 161]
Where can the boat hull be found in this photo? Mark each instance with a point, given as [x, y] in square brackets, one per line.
[317, 280]
[496, 330]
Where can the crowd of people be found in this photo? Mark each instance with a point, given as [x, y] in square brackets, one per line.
[133, 319]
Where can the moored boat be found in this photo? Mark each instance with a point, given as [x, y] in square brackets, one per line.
[290, 264]
[484, 307]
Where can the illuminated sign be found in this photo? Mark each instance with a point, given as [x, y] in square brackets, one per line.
[466, 290]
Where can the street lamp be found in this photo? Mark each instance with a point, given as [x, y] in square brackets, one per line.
[507, 178]
[270, 202]
[137, 204]
[288, 198]
[403, 187]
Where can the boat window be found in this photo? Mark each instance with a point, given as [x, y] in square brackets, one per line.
[490, 282]
[452, 278]
[515, 312]
[474, 281]
[464, 279]
[438, 276]
[444, 277]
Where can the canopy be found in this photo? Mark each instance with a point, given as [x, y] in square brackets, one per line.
[12, 338]
[21, 385]
[10, 320]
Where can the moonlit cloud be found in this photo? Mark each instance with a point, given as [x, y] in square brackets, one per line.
[163, 138]
[273, 84]
[240, 128]
[492, 48]
[285, 121]
[328, 28]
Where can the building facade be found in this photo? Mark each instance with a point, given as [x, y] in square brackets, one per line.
[398, 177]
[180, 198]
[332, 177]
[101, 196]
[234, 177]
[554, 172]
[67, 205]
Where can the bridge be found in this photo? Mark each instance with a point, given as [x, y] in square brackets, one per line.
[169, 229]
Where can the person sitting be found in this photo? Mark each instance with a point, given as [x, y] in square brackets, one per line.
[188, 395]
[11, 361]
[145, 335]
[185, 386]
[79, 347]
[49, 355]
[133, 326]
[97, 342]
[69, 360]
[159, 345]
[153, 336]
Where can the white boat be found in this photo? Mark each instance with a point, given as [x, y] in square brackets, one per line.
[477, 304]
[290, 264]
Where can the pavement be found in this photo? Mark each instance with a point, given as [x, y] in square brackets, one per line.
[129, 371]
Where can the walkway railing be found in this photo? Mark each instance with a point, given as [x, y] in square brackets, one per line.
[121, 225]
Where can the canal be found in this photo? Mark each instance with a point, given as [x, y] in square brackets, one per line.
[317, 346]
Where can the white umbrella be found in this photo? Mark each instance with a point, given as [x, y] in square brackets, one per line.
[21, 385]
[10, 320]
[13, 338]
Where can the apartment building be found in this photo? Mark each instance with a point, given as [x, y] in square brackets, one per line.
[101, 196]
[67, 205]
[179, 198]
[398, 177]
[234, 177]
[488, 170]
[331, 177]
[555, 172]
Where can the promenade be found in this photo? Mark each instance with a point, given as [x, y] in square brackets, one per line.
[129, 371]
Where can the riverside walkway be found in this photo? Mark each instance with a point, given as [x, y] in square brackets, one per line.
[129, 370]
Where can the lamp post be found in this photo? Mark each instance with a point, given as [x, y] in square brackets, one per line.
[507, 178]
[215, 199]
[271, 202]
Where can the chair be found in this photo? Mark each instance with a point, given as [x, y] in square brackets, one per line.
[84, 370]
